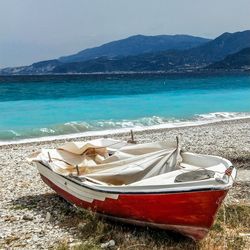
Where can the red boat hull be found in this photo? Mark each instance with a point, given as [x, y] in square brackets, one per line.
[190, 213]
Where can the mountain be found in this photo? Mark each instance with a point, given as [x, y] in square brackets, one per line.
[237, 61]
[225, 44]
[136, 45]
[43, 67]
[161, 61]
[168, 61]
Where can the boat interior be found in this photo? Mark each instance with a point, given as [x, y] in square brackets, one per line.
[109, 162]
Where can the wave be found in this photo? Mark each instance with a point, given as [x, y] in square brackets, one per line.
[104, 127]
[222, 115]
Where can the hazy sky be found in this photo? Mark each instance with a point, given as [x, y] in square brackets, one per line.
[34, 30]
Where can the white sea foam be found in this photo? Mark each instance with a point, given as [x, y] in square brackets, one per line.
[47, 130]
[103, 128]
[221, 115]
[14, 132]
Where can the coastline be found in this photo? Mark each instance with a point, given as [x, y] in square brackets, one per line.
[197, 73]
[227, 138]
[121, 131]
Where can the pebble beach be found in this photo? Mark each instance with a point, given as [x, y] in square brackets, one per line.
[32, 216]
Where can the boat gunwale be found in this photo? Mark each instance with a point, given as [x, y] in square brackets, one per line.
[98, 189]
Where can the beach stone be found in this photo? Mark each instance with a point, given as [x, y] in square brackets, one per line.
[48, 217]
[27, 217]
[74, 245]
[108, 244]
[243, 176]
[81, 226]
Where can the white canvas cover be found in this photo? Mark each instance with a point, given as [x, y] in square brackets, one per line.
[127, 163]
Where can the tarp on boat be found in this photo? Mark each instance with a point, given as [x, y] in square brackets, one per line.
[110, 161]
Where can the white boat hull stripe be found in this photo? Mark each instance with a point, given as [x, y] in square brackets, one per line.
[74, 189]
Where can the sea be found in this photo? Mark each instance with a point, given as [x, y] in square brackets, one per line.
[66, 106]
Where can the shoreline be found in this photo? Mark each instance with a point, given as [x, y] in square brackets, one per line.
[192, 72]
[227, 139]
[121, 131]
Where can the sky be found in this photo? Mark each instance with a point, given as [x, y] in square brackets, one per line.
[35, 30]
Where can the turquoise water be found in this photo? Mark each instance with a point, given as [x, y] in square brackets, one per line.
[43, 106]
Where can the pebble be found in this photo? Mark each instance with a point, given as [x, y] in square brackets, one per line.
[48, 217]
[27, 217]
[74, 244]
[108, 244]
[81, 226]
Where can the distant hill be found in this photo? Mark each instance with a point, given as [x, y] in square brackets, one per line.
[136, 45]
[169, 60]
[239, 60]
[220, 47]
[43, 67]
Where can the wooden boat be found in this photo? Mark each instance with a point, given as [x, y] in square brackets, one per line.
[152, 184]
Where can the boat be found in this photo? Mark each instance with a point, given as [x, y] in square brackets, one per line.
[150, 184]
